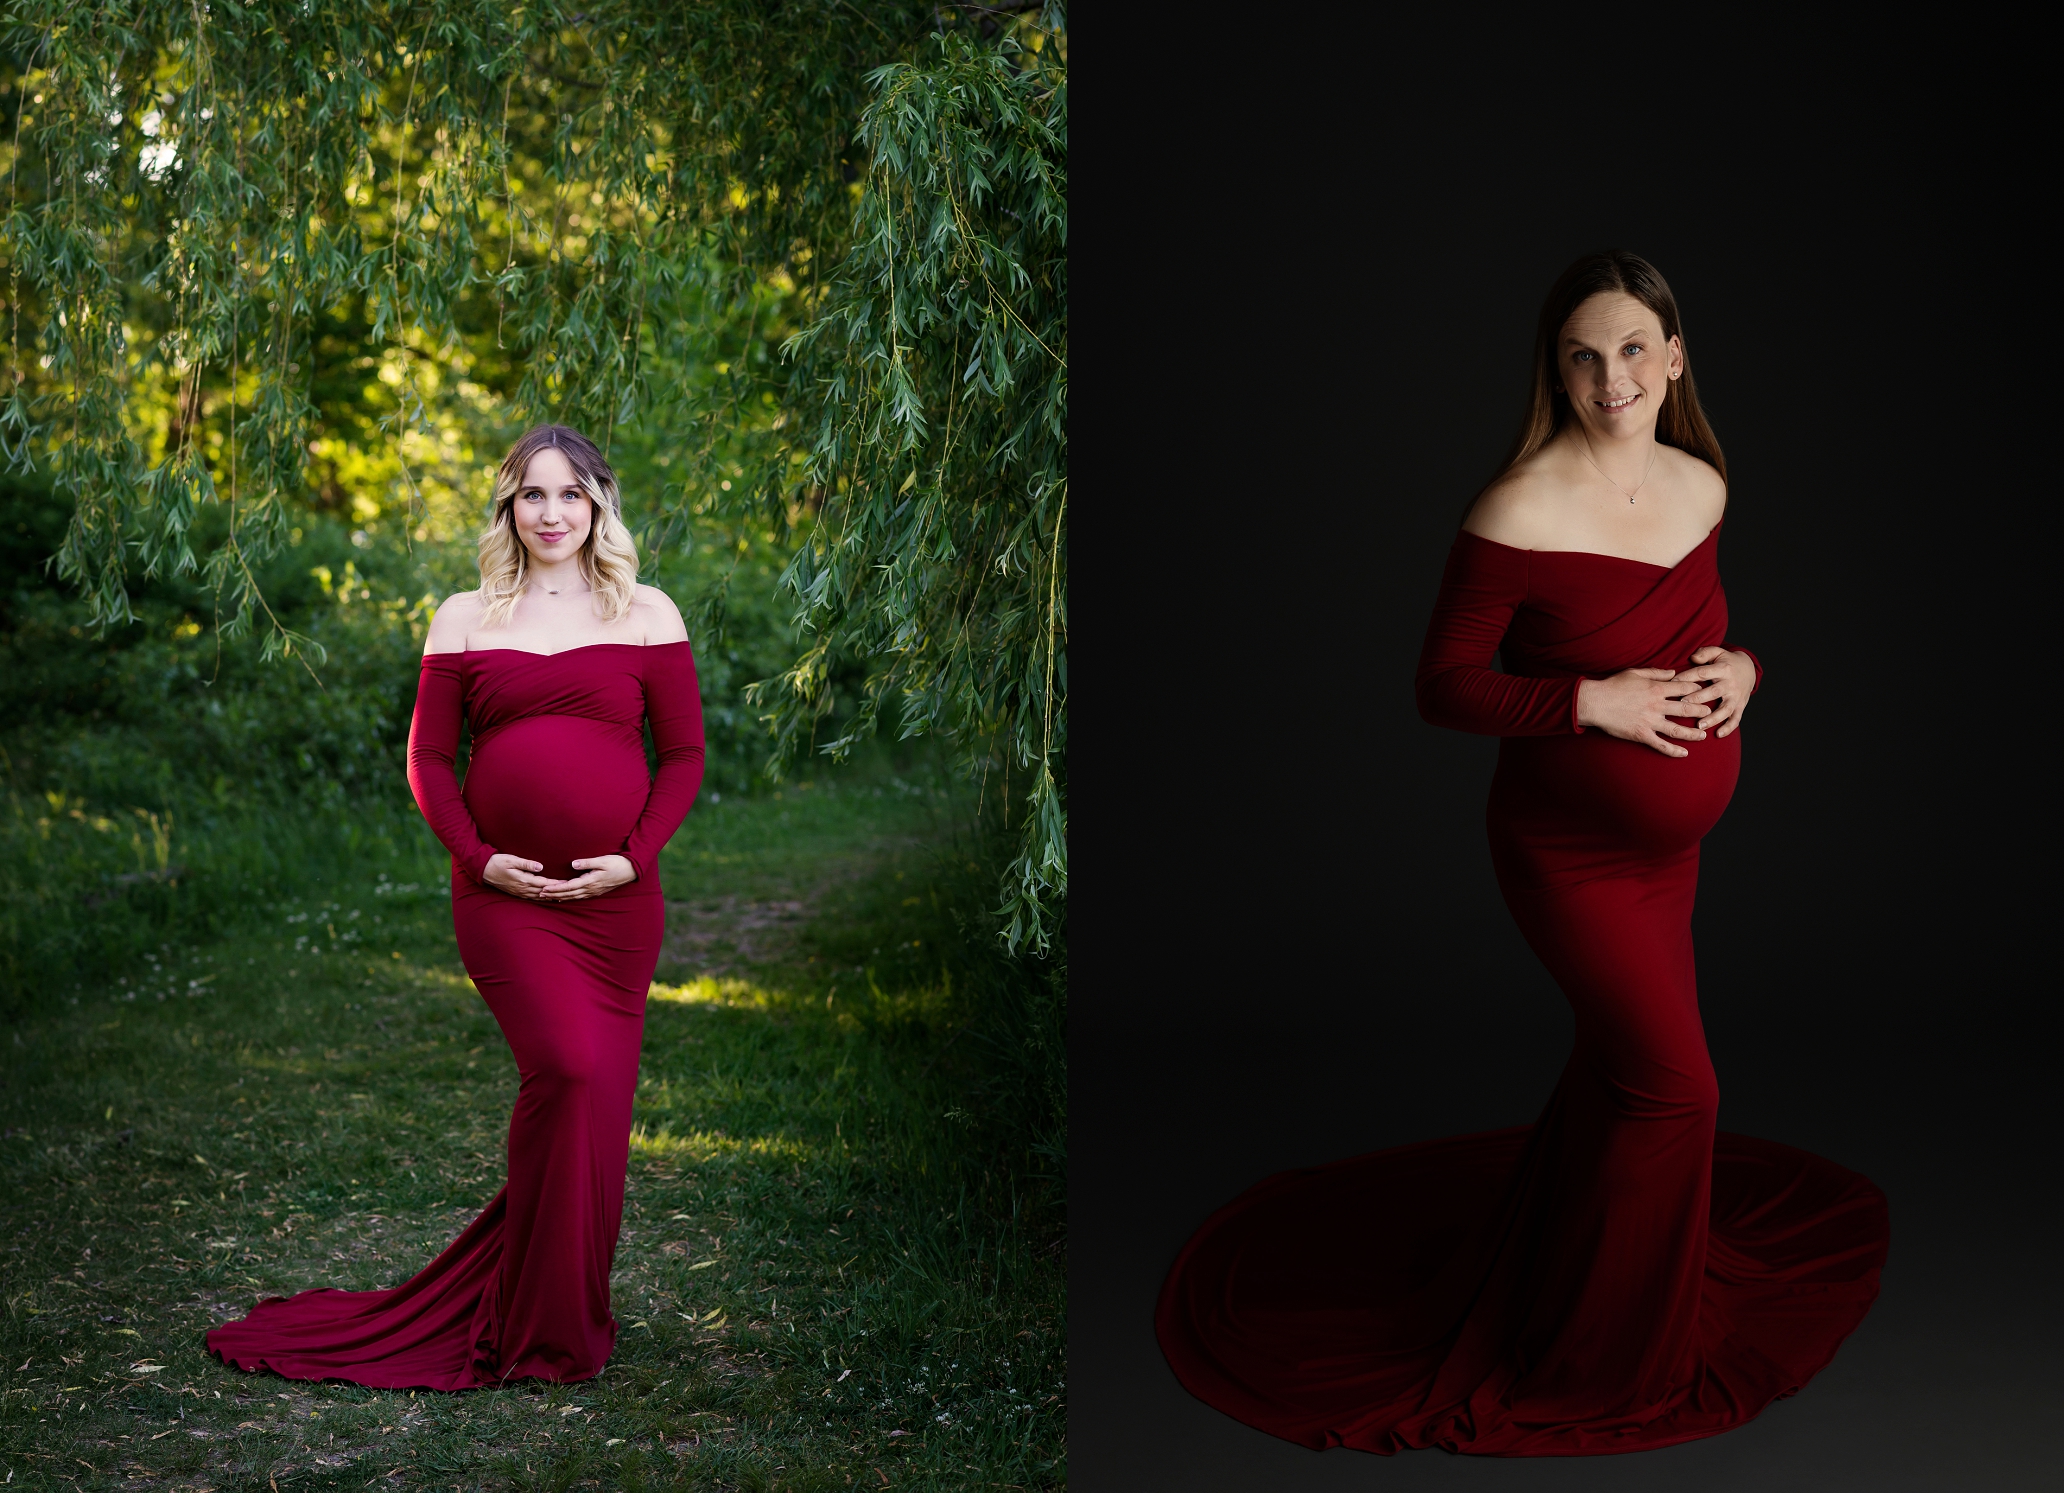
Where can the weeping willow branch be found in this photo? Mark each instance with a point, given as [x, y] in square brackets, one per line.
[965, 195]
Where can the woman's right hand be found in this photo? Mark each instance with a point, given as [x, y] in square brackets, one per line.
[515, 875]
[1636, 705]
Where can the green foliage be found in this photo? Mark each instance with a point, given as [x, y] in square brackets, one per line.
[283, 255]
[933, 389]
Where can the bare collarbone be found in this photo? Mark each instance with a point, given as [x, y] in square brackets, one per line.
[1553, 502]
[652, 620]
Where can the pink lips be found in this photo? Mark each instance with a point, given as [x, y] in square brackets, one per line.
[551, 538]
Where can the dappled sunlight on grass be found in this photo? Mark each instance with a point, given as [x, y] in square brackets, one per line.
[851, 1006]
[710, 991]
[696, 1146]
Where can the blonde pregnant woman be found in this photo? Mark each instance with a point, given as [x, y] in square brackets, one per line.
[556, 663]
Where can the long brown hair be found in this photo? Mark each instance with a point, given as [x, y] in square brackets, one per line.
[1680, 422]
[609, 557]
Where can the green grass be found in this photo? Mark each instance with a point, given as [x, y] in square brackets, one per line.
[832, 1275]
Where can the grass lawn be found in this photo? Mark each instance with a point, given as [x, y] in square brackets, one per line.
[824, 1281]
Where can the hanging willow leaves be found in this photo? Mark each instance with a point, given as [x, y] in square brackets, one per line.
[575, 208]
[933, 386]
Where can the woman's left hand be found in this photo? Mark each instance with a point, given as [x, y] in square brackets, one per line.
[598, 874]
[1728, 678]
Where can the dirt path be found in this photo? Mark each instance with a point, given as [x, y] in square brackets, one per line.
[720, 936]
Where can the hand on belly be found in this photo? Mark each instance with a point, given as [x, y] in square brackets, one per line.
[592, 876]
[1645, 706]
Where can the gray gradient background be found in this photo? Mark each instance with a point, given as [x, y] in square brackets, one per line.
[1289, 948]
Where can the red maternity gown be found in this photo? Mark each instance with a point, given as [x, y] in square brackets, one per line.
[1616, 1276]
[557, 771]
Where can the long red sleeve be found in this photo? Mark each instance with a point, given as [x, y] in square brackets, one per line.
[433, 754]
[673, 704]
[1481, 589]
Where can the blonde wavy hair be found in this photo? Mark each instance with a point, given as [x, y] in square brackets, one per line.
[608, 557]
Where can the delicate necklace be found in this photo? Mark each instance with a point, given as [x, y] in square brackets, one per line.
[1586, 449]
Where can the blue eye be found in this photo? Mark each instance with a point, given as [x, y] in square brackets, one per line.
[1580, 357]
[1632, 347]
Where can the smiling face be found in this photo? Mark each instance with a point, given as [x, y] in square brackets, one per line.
[551, 510]
[1615, 365]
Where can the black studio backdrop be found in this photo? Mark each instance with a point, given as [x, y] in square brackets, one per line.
[1288, 944]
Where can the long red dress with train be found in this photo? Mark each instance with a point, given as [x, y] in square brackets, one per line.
[557, 771]
[1616, 1276]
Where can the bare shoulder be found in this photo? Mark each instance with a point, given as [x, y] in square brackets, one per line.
[1521, 508]
[1703, 488]
[452, 621]
[661, 617]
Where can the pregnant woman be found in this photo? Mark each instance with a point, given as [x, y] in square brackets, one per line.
[556, 662]
[1616, 1276]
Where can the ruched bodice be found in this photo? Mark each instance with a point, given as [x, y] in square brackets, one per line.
[1569, 804]
[557, 770]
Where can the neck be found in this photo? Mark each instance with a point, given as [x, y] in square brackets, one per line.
[561, 577]
[1625, 460]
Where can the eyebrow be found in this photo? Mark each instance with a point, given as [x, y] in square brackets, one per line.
[1623, 337]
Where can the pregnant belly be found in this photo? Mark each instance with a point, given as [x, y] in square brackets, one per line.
[1567, 808]
[555, 787]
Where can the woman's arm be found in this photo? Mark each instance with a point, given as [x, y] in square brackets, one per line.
[433, 753]
[1483, 586]
[673, 704]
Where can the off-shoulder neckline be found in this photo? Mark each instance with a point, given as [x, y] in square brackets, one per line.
[1601, 555]
[561, 653]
